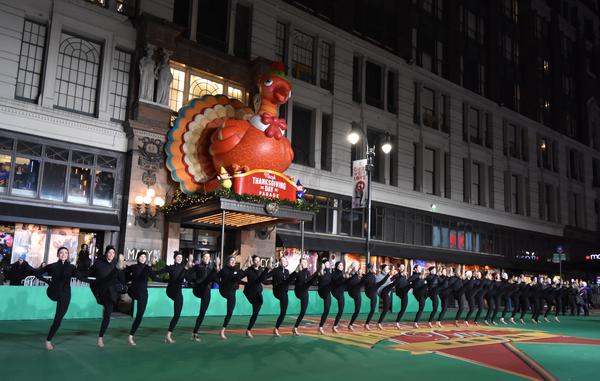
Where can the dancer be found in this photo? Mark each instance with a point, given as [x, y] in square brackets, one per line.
[177, 275]
[354, 286]
[548, 295]
[484, 284]
[491, 296]
[303, 282]
[371, 288]
[457, 294]
[446, 281]
[255, 277]
[419, 286]
[524, 291]
[109, 280]
[281, 284]
[386, 296]
[515, 297]
[138, 275]
[324, 291]
[203, 276]
[59, 288]
[229, 281]
[338, 280]
[433, 290]
[535, 296]
[471, 288]
[403, 284]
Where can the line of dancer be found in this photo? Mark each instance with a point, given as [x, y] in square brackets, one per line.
[503, 298]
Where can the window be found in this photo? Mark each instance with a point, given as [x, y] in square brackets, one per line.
[415, 45]
[515, 206]
[511, 9]
[77, 74]
[55, 173]
[392, 92]
[548, 202]
[31, 58]
[481, 79]
[476, 186]
[302, 56]
[445, 113]
[188, 84]
[516, 97]
[326, 79]
[516, 141]
[303, 136]
[428, 107]
[326, 142]
[439, 58]
[475, 126]
[472, 25]
[596, 172]
[547, 150]
[357, 79]
[575, 209]
[567, 84]
[575, 165]
[119, 85]
[374, 85]
[213, 23]
[427, 5]
[281, 41]
[429, 171]
[439, 9]
[243, 31]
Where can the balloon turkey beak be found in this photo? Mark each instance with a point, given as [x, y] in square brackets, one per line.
[280, 94]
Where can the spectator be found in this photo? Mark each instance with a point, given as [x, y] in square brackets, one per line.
[83, 259]
[19, 271]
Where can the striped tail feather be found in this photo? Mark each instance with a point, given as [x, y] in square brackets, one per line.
[188, 141]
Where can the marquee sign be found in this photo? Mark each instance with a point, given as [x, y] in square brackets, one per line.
[592, 257]
[269, 184]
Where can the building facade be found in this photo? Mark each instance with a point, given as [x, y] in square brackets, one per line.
[495, 131]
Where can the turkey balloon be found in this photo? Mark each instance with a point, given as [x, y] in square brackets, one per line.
[214, 132]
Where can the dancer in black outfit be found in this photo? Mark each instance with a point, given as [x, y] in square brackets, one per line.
[471, 287]
[433, 290]
[303, 282]
[371, 287]
[524, 291]
[281, 283]
[549, 296]
[177, 275]
[138, 275]
[255, 277]
[515, 297]
[354, 286]
[59, 288]
[419, 286]
[535, 296]
[386, 297]
[229, 281]
[203, 276]
[484, 285]
[324, 291]
[446, 282]
[108, 279]
[458, 291]
[338, 280]
[493, 299]
[403, 284]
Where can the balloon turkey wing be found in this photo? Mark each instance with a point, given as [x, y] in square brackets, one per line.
[228, 136]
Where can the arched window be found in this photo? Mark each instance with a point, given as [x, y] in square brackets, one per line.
[77, 74]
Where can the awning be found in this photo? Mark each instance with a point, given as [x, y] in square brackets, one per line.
[42, 215]
[326, 242]
[239, 214]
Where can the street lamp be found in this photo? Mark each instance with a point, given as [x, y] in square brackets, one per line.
[354, 137]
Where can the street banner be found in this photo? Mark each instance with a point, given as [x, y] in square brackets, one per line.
[359, 174]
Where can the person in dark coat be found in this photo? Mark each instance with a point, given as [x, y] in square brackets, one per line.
[83, 259]
[19, 270]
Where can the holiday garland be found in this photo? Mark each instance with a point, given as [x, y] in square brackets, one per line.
[181, 201]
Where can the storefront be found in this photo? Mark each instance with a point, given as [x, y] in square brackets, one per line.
[55, 194]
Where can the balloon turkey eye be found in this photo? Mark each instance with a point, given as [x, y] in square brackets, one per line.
[268, 82]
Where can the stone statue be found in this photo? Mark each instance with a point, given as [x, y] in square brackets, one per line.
[164, 78]
[147, 74]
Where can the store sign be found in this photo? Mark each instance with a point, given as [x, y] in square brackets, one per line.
[592, 257]
[527, 256]
[265, 183]
[360, 189]
[131, 254]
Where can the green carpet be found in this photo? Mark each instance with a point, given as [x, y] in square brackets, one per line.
[335, 357]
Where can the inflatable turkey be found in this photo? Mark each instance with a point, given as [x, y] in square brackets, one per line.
[215, 132]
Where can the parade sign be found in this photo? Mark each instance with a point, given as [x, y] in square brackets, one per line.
[265, 183]
[359, 175]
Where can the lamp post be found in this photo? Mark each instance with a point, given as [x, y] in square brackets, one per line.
[386, 147]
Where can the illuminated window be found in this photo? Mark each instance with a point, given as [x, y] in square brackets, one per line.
[188, 84]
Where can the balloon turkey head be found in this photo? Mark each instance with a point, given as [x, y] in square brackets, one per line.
[274, 89]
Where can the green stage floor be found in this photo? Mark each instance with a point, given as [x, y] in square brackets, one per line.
[549, 351]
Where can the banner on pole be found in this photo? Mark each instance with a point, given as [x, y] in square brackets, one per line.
[359, 193]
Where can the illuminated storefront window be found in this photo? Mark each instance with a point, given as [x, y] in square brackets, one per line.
[189, 84]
